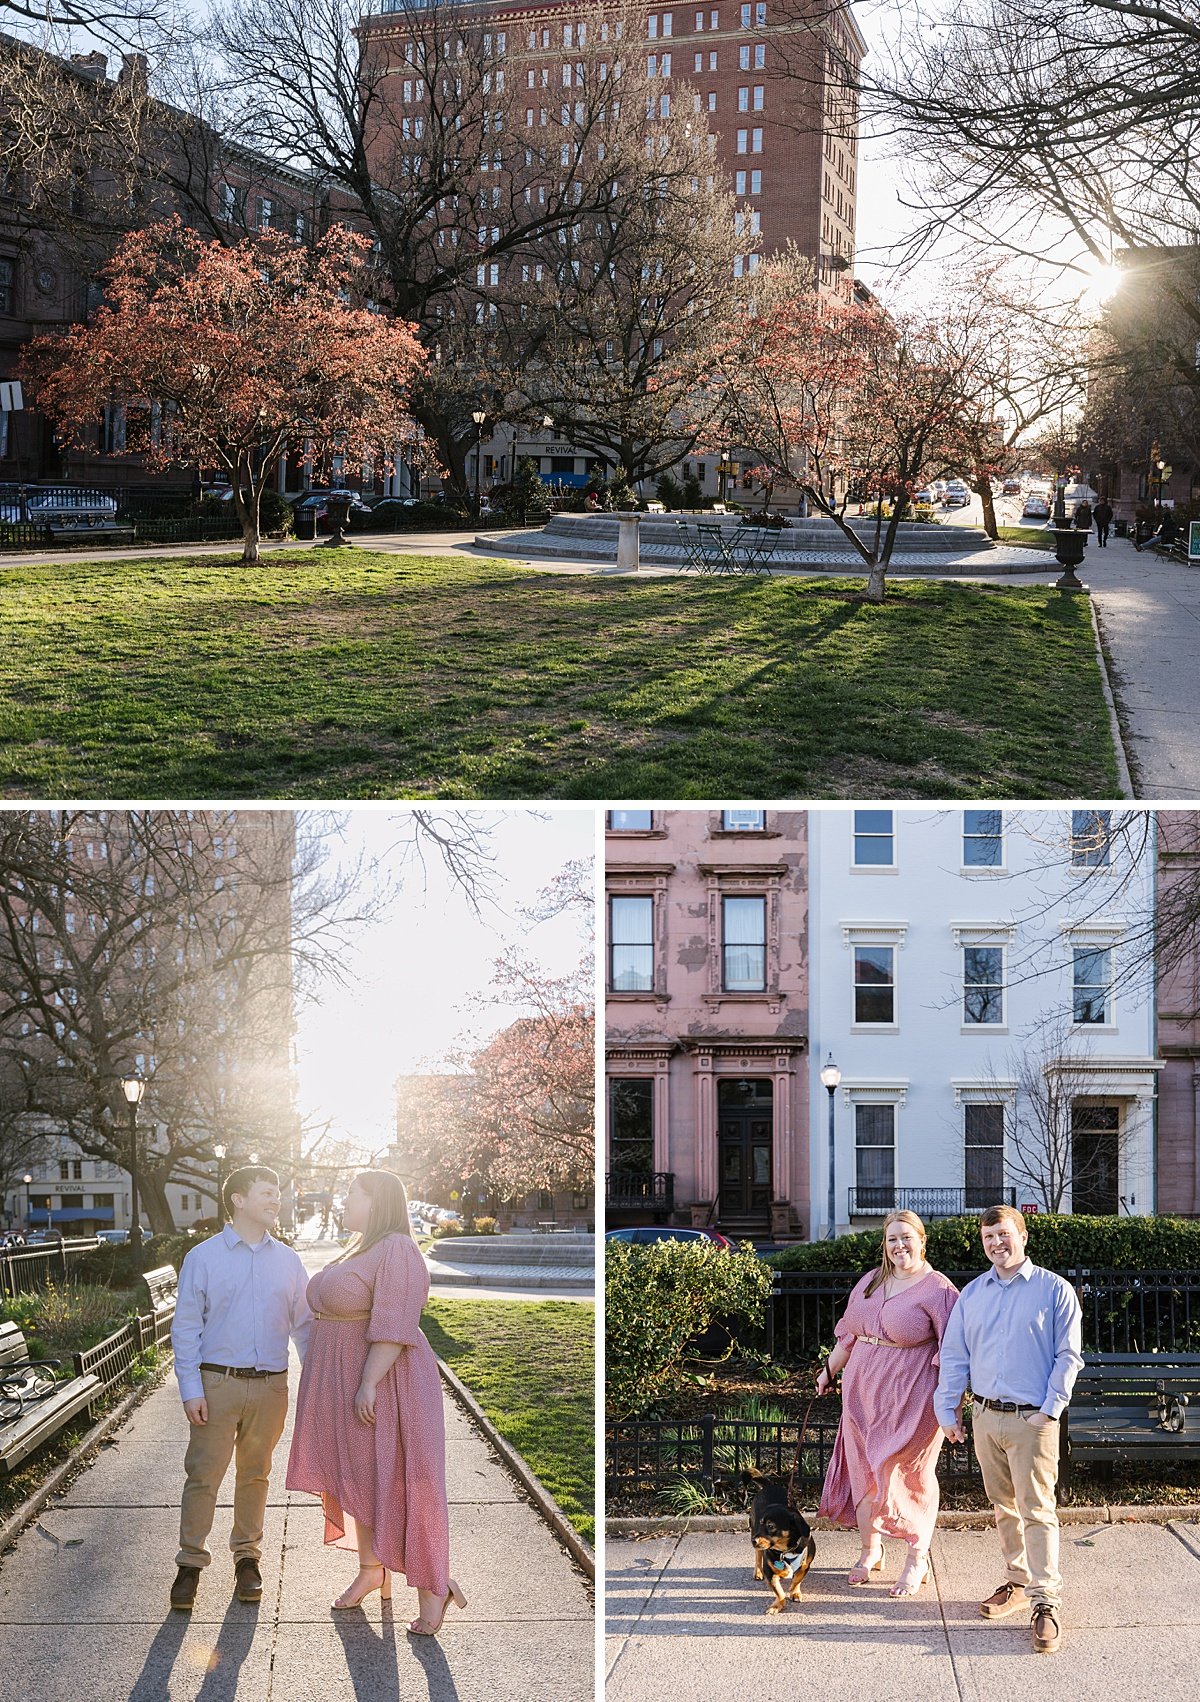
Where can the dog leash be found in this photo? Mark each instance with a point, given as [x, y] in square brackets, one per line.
[803, 1431]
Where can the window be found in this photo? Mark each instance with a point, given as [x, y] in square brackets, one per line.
[226, 202]
[1090, 839]
[875, 1157]
[1092, 977]
[698, 63]
[743, 821]
[744, 935]
[631, 1126]
[756, 100]
[630, 821]
[874, 839]
[262, 212]
[983, 984]
[742, 141]
[631, 945]
[756, 137]
[8, 286]
[743, 58]
[983, 1154]
[983, 839]
[652, 26]
[874, 984]
[743, 100]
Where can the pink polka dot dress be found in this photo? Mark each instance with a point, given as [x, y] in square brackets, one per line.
[888, 1440]
[390, 1475]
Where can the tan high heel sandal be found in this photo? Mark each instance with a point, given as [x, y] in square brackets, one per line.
[348, 1598]
[873, 1563]
[422, 1628]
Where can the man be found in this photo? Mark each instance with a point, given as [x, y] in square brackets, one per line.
[1102, 514]
[241, 1295]
[1015, 1337]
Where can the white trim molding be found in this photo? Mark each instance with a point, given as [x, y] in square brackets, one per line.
[874, 934]
[864, 1091]
[983, 933]
[973, 1091]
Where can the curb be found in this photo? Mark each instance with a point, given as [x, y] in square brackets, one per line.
[735, 1523]
[1124, 776]
[29, 1509]
[543, 1501]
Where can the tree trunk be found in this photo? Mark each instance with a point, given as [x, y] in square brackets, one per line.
[876, 588]
[152, 1186]
[984, 492]
[249, 539]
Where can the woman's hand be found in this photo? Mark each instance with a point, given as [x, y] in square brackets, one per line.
[364, 1403]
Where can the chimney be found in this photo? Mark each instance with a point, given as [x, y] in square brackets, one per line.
[93, 65]
[135, 72]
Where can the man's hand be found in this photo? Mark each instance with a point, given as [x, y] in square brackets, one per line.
[197, 1410]
[1039, 1420]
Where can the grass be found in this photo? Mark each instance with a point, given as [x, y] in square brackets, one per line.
[357, 674]
[531, 1367]
[1037, 536]
[62, 1319]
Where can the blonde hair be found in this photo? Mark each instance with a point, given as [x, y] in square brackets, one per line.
[389, 1211]
[885, 1263]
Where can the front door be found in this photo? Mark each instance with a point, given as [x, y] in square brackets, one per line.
[1095, 1178]
[745, 1129]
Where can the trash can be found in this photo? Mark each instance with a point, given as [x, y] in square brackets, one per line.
[306, 523]
[1121, 528]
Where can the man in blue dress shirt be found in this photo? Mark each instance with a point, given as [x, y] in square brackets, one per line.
[1015, 1337]
[241, 1296]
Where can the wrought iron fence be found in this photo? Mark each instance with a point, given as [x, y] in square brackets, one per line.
[23, 1270]
[188, 529]
[928, 1203]
[647, 1455]
[21, 535]
[113, 1359]
[635, 1190]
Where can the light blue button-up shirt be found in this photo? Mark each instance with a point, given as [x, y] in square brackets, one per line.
[238, 1305]
[1018, 1340]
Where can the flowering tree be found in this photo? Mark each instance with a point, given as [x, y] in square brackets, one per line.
[227, 355]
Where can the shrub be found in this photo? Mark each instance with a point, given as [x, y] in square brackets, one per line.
[668, 490]
[63, 1318]
[658, 1299]
[441, 1229]
[1059, 1241]
[692, 492]
[485, 1226]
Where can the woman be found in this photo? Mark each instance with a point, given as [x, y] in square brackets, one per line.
[370, 1437]
[882, 1474]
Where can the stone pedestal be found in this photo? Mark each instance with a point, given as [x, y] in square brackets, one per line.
[628, 559]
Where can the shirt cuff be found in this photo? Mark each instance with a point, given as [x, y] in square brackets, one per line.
[191, 1385]
[1054, 1408]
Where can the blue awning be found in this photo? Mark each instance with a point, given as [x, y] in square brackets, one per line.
[71, 1214]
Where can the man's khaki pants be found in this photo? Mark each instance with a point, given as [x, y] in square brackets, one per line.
[246, 1415]
[1019, 1462]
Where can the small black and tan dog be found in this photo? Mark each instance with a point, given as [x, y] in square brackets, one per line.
[784, 1548]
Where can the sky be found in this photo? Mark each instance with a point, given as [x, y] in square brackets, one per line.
[410, 977]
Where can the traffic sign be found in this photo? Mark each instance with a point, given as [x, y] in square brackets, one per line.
[1194, 540]
[11, 400]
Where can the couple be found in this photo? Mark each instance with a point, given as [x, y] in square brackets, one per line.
[369, 1435]
[909, 1344]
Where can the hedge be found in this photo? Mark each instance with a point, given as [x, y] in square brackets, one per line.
[1060, 1241]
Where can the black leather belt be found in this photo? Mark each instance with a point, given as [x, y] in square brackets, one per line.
[238, 1370]
[1008, 1406]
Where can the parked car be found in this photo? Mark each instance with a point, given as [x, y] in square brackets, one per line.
[958, 495]
[1037, 506]
[43, 1238]
[927, 494]
[318, 500]
[115, 1237]
[646, 1234]
[1011, 487]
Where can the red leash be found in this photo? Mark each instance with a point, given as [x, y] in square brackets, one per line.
[791, 1488]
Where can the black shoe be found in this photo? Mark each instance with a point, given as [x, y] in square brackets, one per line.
[249, 1580]
[183, 1590]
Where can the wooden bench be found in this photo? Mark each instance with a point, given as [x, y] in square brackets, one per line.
[34, 1405]
[1135, 1406]
[163, 1284]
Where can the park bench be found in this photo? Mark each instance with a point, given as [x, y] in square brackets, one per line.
[1135, 1406]
[163, 1284]
[656, 508]
[34, 1404]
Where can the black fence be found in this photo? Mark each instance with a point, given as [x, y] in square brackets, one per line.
[1123, 1311]
[24, 1270]
[647, 1455]
[637, 1190]
[928, 1203]
[113, 1359]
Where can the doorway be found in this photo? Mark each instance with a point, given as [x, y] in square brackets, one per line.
[745, 1138]
[1095, 1167]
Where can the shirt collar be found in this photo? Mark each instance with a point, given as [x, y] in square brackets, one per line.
[1024, 1269]
[232, 1239]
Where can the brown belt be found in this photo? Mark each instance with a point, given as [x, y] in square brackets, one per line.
[341, 1317]
[239, 1370]
[879, 1341]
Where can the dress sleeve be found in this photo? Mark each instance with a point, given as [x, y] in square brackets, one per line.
[847, 1326]
[942, 1303]
[398, 1294]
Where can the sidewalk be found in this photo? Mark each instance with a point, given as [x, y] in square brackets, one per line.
[686, 1619]
[84, 1611]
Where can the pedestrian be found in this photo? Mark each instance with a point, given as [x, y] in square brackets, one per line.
[1015, 1338]
[1083, 516]
[241, 1295]
[882, 1473]
[370, 1433]
[1102, 514]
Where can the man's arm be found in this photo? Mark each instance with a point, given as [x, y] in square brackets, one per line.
[186, 1329]
[953, 1375]
[1067, 1325]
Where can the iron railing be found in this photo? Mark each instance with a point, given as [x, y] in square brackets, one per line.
[112, 1360]
[638, 1190]
[926, 1202]
[23, 1270]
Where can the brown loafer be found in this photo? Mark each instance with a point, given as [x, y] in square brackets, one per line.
[1046, 1633]
[183, 1590]
[249, 1580]
[1007, 1599]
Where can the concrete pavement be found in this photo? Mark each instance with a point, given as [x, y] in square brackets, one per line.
[84, 1610]
[685, 1618]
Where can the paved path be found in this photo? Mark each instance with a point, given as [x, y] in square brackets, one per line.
[84, 1612]
[686, 1620]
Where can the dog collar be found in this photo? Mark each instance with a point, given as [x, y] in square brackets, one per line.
[785, 1565]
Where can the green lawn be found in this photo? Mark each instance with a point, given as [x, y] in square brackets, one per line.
[359, 674]
[1037, 536]
[531, 1366]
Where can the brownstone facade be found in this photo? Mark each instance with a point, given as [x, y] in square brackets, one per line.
[1179, 1022]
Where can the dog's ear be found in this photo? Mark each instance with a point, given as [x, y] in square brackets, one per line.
[752, 1477]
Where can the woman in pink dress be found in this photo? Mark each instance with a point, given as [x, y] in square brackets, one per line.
[882, 1474]
[369, 1437]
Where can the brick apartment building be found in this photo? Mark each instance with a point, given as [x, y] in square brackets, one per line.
[1179, 1018]
[164, 988]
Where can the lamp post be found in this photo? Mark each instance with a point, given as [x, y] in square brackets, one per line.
[219, 1150]
[27, 1181]
[830, 1077]
[724, 468]
[478, 416]
[133, 1088]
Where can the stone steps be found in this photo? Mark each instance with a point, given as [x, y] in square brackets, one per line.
[564, 1250]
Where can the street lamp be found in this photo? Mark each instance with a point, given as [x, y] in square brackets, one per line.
[133, 1088]
[219, 1150]
[724, 468]
[830, 1077]
[478, 416]
[27, 1181]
